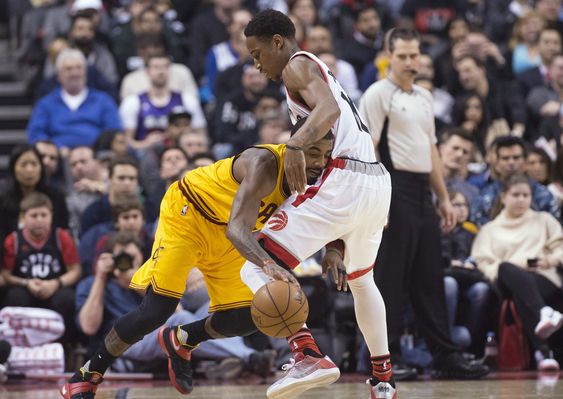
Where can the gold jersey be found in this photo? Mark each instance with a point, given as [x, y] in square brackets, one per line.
[211, 189]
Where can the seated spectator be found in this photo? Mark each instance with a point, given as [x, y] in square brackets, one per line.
[41, 262]
[344, 73]
[193, 143]
[367, 38]
[26, 175]
[145, 116]
[442, 100]
[545, 101]
[519, 251]
[538, 166]
[235, 121]
[55, 172]
[103, 298]
[549, 45]
[524, 42]
[111, 143]
[88, 184]
[201, 160]
[47, 80]
[82, 36]
[123, 180]
[467, 294]
[136, 82]
[226, 54]
[272, 131]
[510, 159]
[456, 148]
[74, 114]
[145, 20]
[550, 11]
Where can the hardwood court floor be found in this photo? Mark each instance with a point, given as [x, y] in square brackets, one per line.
[514, 388]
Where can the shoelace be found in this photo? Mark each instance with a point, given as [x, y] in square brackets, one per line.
[289, 366]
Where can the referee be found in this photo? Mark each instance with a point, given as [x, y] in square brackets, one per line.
[400, 117]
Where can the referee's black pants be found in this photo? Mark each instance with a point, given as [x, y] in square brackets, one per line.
[409, 264]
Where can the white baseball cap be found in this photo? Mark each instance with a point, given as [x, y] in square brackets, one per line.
[80, 5]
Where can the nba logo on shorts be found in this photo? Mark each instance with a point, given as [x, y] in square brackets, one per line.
[278, 221]
[184, 210]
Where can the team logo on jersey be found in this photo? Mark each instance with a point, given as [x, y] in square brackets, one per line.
[184, 210]
[278, 221]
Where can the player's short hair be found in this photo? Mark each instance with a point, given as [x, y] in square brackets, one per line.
[300, 122]
[35, 200]
[268, 23]
[403, 34]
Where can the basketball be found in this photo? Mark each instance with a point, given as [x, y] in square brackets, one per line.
[279, 309]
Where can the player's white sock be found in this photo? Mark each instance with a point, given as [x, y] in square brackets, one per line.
[370, 313]
[253, 276]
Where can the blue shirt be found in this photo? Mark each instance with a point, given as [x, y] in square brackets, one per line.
[53, 120]
[542, 200]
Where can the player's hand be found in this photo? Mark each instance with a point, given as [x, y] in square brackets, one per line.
[333, 262]
[447, 214]
[294, 167]
[277, 272]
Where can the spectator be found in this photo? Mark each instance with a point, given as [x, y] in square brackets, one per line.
[26, 175]
[145, 21]
[409, 261]
[503, 102]
[550, 10]
[367, 39]
[304, 11]
[471, 113]
[549, 45]
[207, 29]
[510, 158]
[136, 82]
[520, 251]
[41, 262]
[58, 19]
[556, 186]
[443, 101]
[103, 298]
[47, 80]
[88, 184]
[538, 166]
[82, 36]
[226, 54]
[545, 101]
[50, 157]
[319, 42]
[202, 159]
[524, 42]
[145, 116]
[456, 148]
[193, 142]
[111, 143]
[235, 121]
[468, 296]
[72, 115]
[123, 180]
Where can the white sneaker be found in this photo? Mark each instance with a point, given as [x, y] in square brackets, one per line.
[545, 361]
[381, 390]
[302, 375]
[550, 321]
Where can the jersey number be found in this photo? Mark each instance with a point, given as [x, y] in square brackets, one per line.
[359, 121]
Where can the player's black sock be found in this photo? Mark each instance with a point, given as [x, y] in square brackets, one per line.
[101, 360]
[196, 333]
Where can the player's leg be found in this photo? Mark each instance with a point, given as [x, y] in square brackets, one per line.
[164, 278]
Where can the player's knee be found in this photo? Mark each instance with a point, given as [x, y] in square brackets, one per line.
[155, 310]
[233, 323]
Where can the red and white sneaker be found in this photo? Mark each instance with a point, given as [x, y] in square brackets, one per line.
[302, 374]
[179, 360]
[82, 385]
[381, 389]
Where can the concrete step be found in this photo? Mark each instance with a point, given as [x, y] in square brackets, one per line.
[14, 117]
[11, 89]
[13, 137]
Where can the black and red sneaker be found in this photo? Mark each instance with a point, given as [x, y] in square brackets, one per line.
[179, 360]
[82, 385]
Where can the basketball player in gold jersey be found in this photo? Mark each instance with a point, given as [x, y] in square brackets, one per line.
[199, 215]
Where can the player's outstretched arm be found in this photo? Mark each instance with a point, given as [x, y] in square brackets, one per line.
[257, 170]
[304, 80]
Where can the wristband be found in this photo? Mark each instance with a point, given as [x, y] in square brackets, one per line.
[293, 147]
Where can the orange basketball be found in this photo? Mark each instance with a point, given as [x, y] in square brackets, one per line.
[279, 309]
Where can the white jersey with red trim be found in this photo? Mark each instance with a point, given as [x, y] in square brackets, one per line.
[352, 137]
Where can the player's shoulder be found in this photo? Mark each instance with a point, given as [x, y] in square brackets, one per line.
[262, 156]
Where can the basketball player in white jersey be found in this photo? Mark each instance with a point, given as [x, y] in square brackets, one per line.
[345, 210]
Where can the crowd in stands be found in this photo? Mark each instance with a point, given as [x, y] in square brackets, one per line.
[130, 94]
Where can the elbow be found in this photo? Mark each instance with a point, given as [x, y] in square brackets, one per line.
[231, 233]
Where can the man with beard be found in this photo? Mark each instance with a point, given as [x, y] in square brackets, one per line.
[235, 121]
[82, 35]
[145, 116]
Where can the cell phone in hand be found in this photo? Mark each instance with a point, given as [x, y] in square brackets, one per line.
[533, 263]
